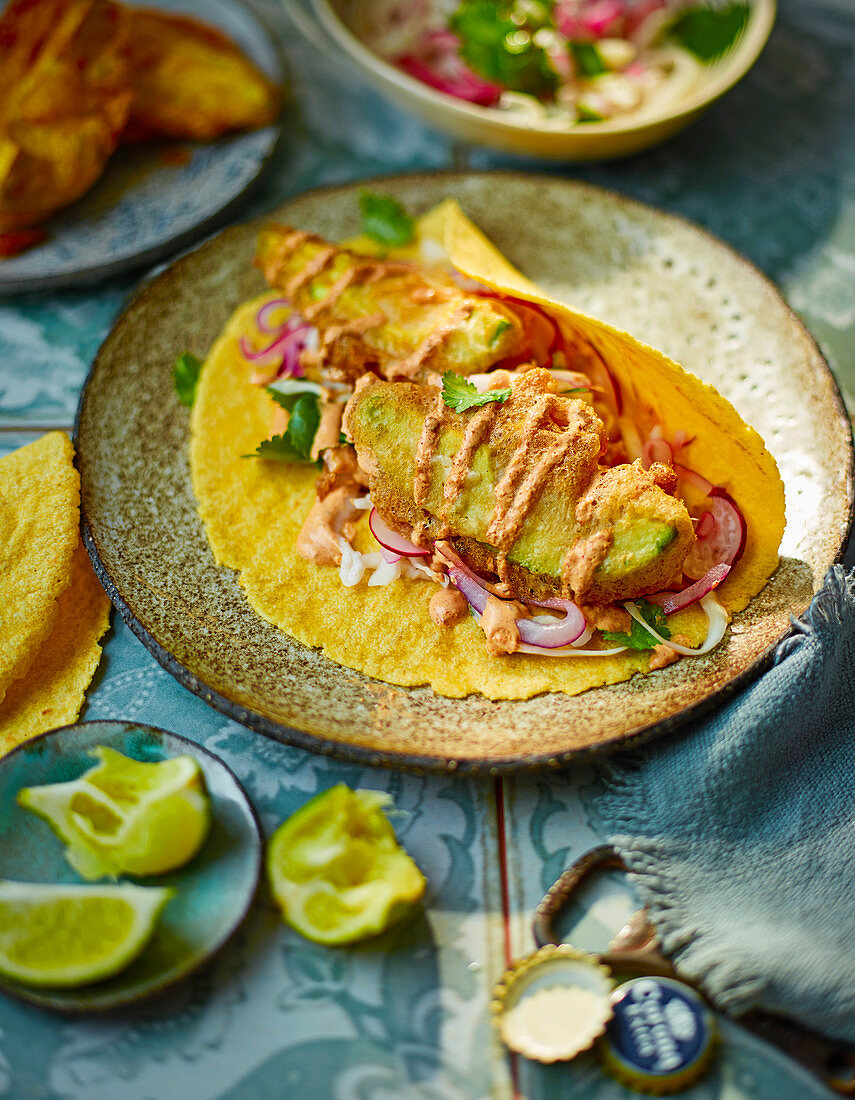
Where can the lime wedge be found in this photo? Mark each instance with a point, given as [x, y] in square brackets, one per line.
[64, 936]
[127, 817]
[337, 871]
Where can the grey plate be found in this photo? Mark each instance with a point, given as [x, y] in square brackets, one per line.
[651, 273]
[214, 890]
[143, 209]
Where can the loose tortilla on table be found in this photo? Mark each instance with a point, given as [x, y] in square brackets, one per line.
[253, 509]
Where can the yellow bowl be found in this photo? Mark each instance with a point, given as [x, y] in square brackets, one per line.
[345, 22]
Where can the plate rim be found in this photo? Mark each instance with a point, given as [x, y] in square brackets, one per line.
[468, 766]
[44, 999]
[99, 272]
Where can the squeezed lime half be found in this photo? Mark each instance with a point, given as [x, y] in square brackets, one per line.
[127, 816]
[337, 871]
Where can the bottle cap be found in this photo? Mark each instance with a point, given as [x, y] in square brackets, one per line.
[553, 1004]
[661, 1036]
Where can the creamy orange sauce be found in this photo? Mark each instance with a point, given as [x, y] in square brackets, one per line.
[601, 617]
[426, 448]
[328, 519]
[329, 428]
[448, 606]
[661, 656]
[313, 267]
[289, 244]
[280, 420]
[477, 430]
[582, 561]
[520, 488]
[507, 487]
[332, 295]
[499, 623]
[410, 365]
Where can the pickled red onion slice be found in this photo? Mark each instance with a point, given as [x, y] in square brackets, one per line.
[544, 635]
[263, 316]
[676, 601]
[450, 75]
[694, 479]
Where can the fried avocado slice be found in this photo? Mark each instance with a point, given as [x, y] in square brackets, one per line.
[396, 319]
[522, 483]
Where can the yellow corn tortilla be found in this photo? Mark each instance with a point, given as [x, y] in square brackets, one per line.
[52, 692]
[39, 518]
[253, 510]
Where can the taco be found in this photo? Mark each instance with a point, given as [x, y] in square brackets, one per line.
[424, 466]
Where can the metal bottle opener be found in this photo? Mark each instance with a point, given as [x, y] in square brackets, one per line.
[636, 947]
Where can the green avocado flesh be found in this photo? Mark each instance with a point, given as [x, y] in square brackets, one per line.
[646, 542]
[480, 335]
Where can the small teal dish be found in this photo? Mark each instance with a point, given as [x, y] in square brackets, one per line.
[213, 891]
[159, 197]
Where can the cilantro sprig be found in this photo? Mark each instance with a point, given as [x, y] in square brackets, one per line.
[461, 395]
[385, 220]
[502, 50]
[638, 637]
[185, 377]
[709, 32]
[295, 443]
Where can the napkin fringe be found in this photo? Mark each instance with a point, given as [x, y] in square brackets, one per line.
[830, 612]
[726, 981]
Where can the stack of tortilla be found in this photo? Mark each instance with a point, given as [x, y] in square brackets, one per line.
[53, 611]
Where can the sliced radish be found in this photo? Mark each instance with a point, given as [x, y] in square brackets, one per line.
[704, 525]
[676, 601]
[725, 542]
[391, 540]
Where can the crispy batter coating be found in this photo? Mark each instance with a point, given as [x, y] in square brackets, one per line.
[534, 506]
[398, 319]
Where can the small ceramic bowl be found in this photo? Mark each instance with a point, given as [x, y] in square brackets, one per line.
[213, 891]
[345, 20]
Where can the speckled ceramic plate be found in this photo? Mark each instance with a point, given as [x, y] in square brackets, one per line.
[653, 274]
[155, 198]
[213, 891]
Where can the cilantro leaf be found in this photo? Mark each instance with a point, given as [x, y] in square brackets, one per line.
[185, 377]
[501, 50]
[638, 637]
[588, 59]
[385, 221]
[461, 395]
[710, 32]
[295, 443]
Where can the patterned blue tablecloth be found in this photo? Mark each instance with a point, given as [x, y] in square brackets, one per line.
[771, 169]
